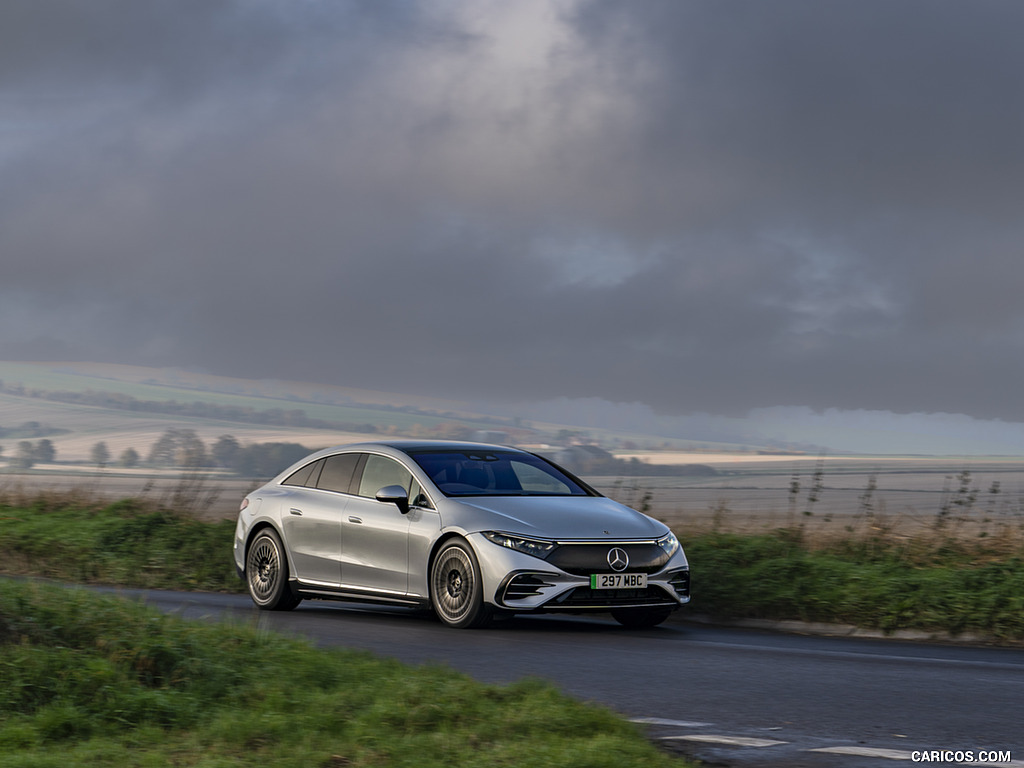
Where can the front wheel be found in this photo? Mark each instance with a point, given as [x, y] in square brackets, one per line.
[266, 573]
[641, 618]
[456, 591]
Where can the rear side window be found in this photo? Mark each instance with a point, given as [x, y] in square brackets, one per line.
[337, 472]
[305, 476]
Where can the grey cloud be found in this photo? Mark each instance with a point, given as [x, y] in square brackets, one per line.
[786, 204]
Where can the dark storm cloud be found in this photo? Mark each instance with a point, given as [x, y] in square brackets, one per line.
[698, 206]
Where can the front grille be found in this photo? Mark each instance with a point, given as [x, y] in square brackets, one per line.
[585, 559]
[585, 597]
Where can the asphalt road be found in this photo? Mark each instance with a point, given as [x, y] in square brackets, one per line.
[727, 696]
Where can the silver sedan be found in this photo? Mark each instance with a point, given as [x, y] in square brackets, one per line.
[467, 529]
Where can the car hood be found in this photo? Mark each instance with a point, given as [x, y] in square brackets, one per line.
[552, 517]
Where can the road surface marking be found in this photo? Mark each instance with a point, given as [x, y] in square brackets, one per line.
[737, 741]
[663, 721]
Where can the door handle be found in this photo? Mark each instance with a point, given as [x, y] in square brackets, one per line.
[354, 519]
[295, 511]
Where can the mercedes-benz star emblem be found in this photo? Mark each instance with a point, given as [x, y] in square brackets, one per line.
[618, 559]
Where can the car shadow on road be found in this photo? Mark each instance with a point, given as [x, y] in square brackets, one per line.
[536, 623]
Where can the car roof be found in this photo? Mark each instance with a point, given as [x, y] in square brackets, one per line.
[424, 445]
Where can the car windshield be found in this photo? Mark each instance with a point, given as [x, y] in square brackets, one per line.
[495, 473]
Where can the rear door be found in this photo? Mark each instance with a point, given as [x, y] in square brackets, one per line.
[312, 518]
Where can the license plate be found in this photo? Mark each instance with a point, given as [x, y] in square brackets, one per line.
[618, 581]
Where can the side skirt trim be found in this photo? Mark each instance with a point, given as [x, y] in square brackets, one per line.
[321, 593]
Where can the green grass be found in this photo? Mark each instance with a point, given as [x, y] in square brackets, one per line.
[87, 680]
[128, 543]
[944, 586]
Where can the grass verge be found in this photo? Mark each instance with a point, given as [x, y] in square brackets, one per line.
[127, 543]
[942, 585]
[89, 680]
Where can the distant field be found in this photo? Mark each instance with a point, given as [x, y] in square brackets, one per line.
[128, 429]
[42, 378]
[400, 413]
[141, 382]
[121, 429]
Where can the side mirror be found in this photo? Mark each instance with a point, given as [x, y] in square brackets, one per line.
[394, 494]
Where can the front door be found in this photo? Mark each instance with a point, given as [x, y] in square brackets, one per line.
[375, 535]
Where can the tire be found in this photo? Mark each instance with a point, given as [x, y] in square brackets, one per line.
[456, 590]
[266, 573]
[641, 618]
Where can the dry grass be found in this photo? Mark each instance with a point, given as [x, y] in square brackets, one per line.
[926, 501]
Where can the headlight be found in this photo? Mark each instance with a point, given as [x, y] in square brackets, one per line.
[535, 547]
[669, 543]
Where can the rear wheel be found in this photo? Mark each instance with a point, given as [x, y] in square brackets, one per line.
[456, 591]
[266, 573]
[640, 618]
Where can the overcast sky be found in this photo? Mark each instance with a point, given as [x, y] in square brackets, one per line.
[693, 206]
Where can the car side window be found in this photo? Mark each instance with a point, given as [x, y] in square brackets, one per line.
[380, 471]
[337, 472]
[305, 476]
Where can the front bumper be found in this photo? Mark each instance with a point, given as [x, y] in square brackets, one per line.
[537, 590]
[518, 582]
